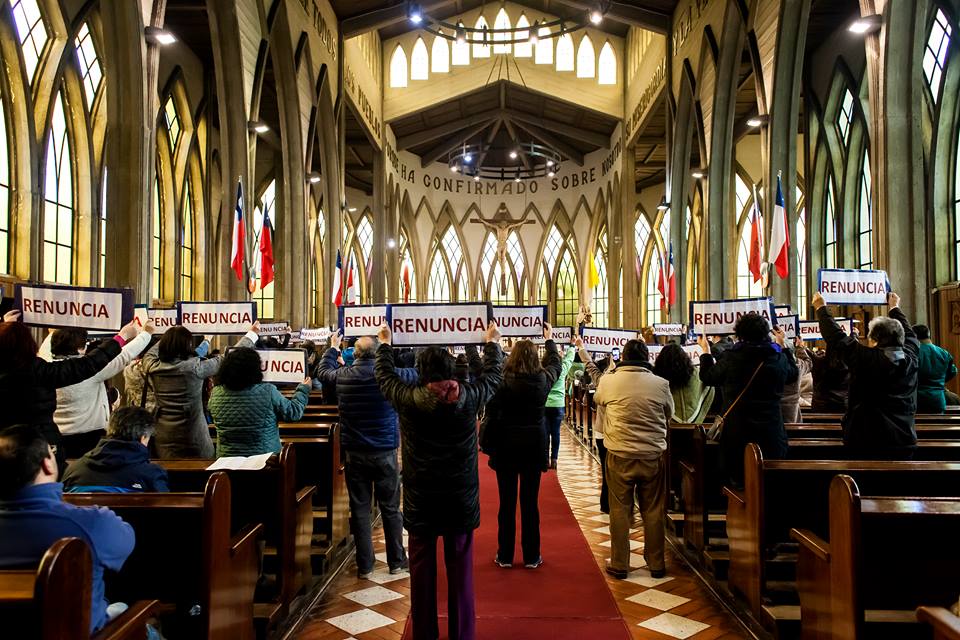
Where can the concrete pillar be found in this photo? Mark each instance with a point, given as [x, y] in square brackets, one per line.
[628, 249]
[382, 232]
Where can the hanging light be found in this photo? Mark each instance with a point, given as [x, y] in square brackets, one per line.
[758, 121]
[664, 205]
[461, 34]
[513, 154]
[596, 16]
[476, 177]
[866, 25]
[391, 243]
[156, 35]
[534, 36]
[414, 13]
[549, 163]
[454, 168]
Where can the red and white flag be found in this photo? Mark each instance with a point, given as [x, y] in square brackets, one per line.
[756, 240]
[667, 282]
[236, 251]
[351, 295]
[266, 251]
[337, 298]
[780, 236]
[406, 282]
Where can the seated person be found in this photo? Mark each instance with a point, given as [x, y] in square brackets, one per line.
[33, 515]
[120, 463]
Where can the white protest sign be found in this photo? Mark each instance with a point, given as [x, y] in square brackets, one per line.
[693, 352]
[520, 322]
[421, 325]
[561, 335]
[79, 307]
[783, 310]
[274, 329]
[598, 340]
[790, 326]
[671, 329]
[315, 335]
[718, 317]
[162, 319]
[363, 320]
[217, 318]
[810, 329]
[283, 365]
[853, 286]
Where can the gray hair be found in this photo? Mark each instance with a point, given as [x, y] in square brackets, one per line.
[130, 424]
[886, 332]
[365, 347]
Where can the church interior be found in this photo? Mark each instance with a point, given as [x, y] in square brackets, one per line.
[630, 170]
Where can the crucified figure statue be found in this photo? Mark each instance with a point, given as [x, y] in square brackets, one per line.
[502, 224]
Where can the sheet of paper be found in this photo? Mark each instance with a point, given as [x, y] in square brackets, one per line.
[242, 463]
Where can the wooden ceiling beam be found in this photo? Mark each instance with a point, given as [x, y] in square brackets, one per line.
[516, 140]
[627, 14]
[491, 136]
[596, 139]
[447, 146]
[552, 141]
[385, 17]
[445, 130]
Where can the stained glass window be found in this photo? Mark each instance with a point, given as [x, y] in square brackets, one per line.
[501, 39]
[866, 215]
[264, 297]
[58, 214]
[89, 63]
[830, 229]
[481, 50]
[845, 116]
[32, 33]
[156, 246]
[4, 194]
[543, 50]
[935, 54]
[186, 245]
[523, 48]
[601, 298]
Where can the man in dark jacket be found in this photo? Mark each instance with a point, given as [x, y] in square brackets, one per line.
[758, 368]
[120, 463]
[33, 516]
[831, 382]
[882, 403]
[369, 441]
[441, 486]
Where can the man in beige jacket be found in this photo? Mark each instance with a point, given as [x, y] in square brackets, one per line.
[637, 406]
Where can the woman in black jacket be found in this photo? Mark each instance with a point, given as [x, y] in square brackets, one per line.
[757, 416]
[516, 440]
[28, 384]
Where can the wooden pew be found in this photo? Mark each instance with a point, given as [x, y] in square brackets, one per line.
[53, 601]
[921, 418]
[885, 556]
[780, 494]
[186, 557]
[270, 496]
[946, 626]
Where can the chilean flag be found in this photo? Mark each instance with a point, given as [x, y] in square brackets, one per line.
[266, 251]
[351, 286]
[406, 282]
[756, 241]
[236, 251]
[668, 283]
[779, 236]
[338, 282]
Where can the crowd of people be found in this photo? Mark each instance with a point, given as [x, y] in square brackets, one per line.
[423, 409]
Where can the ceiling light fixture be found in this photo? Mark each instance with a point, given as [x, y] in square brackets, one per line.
[664, 205]
[551, 173]
[549, 163]
[513, 155]
[866, 25]
[314, 178]
[596, 16]
[391, 243]
[476, 177]
[258, 126]
[414, 13]
[483, 36]
[697, 174]
[461, 36]
[454, 168]
[758, 121]
[534, 36]
[352, 209]
[156, 35]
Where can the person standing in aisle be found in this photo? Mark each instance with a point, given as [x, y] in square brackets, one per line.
[553, 415]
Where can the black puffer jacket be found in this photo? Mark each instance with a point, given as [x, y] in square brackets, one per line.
[367, 421]
[29, 395]
[441, 488]
[515, 436]
[882, 402]
[757, 416]
[115, 466]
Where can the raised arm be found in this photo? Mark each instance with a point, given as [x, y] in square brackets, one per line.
[209, 367]
[45, 351]
[64, 373]
[130, 351]
[392, 387]
[846, 346]
[485, 385]
[910, 342]
[290, 410]
[712, 372]
[474, 362]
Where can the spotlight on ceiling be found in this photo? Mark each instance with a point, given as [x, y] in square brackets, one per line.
[314, 178]
[461, 34]
[551, 173]
[391, 243]
[258, 126]
[534, 36]
[476, 177]
[758, 121]
[664, 205]
[156, 35]
[414, 13]
[596, 16]
[352, 209]
[467, 157]
[698, 174]
[513, 155]
[866, 25]
[517, 179]
[549, 163]
[454, 168]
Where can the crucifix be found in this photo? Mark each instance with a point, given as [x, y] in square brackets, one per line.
[502, 224]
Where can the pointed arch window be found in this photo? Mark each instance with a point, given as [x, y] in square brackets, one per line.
[565, 55]
[501, 39]
[654, 297]
[419, 61]
[365, 237]
[746, 287]
[440, 55]
[102, 272]
[438, 285]
[172, 121]
[956, 209]
[865, 231]
[567, 290]
[398, 68]
[845, 116]
[454, 255]
[829, 229]
[322, 225]
[266, 206]
[481, 50]
[607, 65]
[32, 33]
[89, 63]
[408, 274]
[522, 48]
[543, 50]
[58, 214]
[801, 235]
[156, 245]
[586, 58]
[4, 193]
[187, 243]
[935, 53]
[460, 52]
[601, 296]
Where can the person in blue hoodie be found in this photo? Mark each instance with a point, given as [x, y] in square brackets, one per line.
[120, 463]
[33, 516]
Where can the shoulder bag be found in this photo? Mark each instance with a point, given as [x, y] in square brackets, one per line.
[715, 432]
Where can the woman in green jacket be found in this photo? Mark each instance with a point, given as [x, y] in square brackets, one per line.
[246, 410]
[691, 399]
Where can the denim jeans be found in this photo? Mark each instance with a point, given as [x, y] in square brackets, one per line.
[372, 474]
[553, 417]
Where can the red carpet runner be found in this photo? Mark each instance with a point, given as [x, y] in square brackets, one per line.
[566, 598]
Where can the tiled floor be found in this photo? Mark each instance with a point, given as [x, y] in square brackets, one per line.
[678, 606]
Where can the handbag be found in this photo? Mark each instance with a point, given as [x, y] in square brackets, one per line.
[715, 432]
